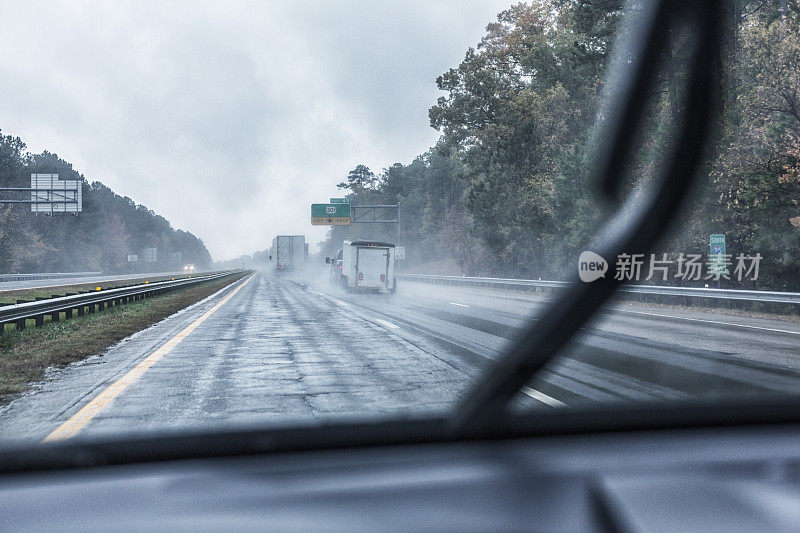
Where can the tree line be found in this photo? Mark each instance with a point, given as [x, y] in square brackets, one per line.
[505, 190]
[100, 238]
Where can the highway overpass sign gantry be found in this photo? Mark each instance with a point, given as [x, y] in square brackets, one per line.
[337, 214]
[47, 194]
[340, 213]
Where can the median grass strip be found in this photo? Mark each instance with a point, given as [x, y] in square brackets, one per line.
[26, 355]
[11, 296]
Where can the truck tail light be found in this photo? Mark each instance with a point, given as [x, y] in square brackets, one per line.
[360, 275]
[340, 267]
[383, 277]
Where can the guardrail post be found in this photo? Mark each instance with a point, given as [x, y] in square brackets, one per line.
[39, 320]
[80, 310]
[55, 317]
[68, 313]
[20, 324]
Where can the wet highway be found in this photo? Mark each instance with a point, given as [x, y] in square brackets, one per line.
[268, 350]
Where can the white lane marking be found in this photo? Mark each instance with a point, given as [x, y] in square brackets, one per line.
[458, 304]
[542, 397]
[387, 323]
[341, 303]
[761, 328]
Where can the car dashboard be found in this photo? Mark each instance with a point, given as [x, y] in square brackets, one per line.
[701, 479]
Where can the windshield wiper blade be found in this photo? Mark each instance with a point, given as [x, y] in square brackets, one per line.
[643, 218]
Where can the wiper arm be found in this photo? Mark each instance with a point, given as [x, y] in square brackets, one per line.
[642, 219]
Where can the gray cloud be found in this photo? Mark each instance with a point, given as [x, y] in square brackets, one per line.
[230, 118]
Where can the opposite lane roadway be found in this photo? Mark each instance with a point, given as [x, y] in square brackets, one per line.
[60, 282]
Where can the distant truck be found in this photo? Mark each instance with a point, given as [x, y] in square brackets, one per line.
[289, 252]
[367, 265]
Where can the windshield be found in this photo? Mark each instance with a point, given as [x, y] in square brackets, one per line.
[224, 216]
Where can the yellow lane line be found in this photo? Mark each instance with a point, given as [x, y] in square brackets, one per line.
[77, 421]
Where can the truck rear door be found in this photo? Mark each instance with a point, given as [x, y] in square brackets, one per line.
[372, 267]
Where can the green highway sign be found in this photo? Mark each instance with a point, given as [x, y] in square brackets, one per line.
[340, 200]
[332, 214]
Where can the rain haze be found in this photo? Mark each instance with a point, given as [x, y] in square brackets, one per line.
[229, 119]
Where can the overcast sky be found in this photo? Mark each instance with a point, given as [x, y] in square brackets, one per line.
[230, 118]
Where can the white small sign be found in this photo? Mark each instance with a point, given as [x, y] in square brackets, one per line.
[133, 258]
[400, 252]
[150, 255]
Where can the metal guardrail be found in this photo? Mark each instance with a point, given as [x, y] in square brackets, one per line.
[94, 301]
[660, 290]
[46, 275]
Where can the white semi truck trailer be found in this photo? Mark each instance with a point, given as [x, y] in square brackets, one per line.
[289, 252]
[368, 265]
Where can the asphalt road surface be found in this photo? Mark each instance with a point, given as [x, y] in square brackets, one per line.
[275, 350]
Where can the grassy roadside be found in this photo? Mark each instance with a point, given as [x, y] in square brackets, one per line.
[26, 354]
[789, 313]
